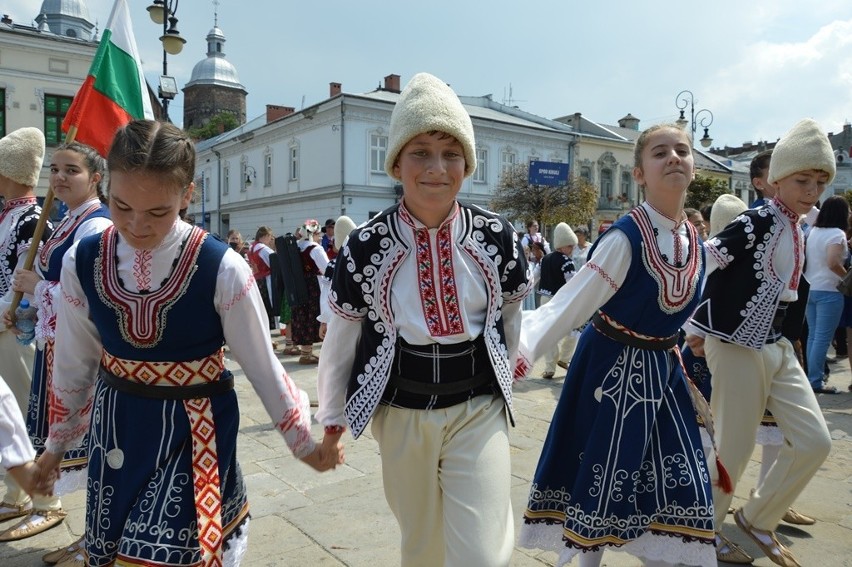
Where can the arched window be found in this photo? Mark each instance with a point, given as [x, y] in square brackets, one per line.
[606, 184]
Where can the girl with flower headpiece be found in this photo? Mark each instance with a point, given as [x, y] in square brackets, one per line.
[303, 322]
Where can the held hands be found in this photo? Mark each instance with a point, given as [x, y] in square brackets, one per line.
[48, 464]
[327, 454]
[34, 478]
[695, 344]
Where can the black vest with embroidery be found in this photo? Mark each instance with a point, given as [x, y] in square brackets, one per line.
[741, 297]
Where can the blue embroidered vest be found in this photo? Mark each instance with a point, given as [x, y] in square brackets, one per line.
[177, 322]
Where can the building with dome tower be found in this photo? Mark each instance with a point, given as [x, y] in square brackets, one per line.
[214, 86]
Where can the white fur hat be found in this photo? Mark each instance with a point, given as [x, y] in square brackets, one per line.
[803, 148]
[342, 228]
[726, 208]
[563, 236]
[21, 156]
[428, 104]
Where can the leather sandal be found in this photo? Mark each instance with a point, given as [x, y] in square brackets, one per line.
[30, 526]
[547, 375]
[776, 552]
[797, 518]
[11, 511]
[291, 350]
[79, 559]
[308, 358]
[63, 553]
[729, 552]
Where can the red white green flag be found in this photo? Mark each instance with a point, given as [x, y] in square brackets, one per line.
[115, 91]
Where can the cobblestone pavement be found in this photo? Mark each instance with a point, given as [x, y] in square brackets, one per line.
[340, 518]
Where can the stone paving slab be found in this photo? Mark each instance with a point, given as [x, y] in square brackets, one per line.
[340, 518]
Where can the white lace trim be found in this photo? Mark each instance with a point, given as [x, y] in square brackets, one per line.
[670, 549]
[237, 546]
[769, 435]
[71, 481]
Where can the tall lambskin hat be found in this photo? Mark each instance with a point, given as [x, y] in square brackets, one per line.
[21, 156]
[563, 236]
[726, 208]
[342, 228]
[427, 104]
[803, 148]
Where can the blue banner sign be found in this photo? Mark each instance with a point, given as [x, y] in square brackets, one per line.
[548, 173]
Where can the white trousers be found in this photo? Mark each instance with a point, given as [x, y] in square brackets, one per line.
[745, 382]
[447, 479]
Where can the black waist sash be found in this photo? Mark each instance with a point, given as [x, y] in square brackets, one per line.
[603, 327]
[207, 390]
[438, 375]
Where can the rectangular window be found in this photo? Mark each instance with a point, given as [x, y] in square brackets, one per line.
[508, 161]
[2, 113]
[378, 153]
[267, 170]
[245, 181]
[294, 163]
[206, 186]
[55, 107]
[481, 166]
[226, 180]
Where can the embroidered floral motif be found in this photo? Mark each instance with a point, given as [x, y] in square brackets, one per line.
[677, 284]
[61, 233]
[439, 299]
[606, 277]
[142, 317]
[142, 269]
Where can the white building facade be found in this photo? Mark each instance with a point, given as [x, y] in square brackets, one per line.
[41, 69]
[328, 160]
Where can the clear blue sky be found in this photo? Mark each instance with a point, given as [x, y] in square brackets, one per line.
[759, 66]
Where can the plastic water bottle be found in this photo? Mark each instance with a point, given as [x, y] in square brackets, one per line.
[25, 316]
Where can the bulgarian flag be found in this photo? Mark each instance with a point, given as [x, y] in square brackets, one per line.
[115, 91]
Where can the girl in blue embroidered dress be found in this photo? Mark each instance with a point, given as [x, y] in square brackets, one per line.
[622, 466]
[148, 305]
[76, 175]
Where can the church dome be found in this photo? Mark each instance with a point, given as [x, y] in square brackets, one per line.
[68, 18]
[72, 8]
[215, 69]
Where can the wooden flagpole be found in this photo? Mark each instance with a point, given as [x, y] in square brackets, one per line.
[39, 231]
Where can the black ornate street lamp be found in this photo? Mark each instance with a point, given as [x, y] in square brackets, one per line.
[163, 12]
[704, 117]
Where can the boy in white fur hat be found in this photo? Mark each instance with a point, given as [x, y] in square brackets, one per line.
[21, 156]
[557, 268]
[754, 366]
[426, 303]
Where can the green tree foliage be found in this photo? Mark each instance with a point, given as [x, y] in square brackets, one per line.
[514, 197]
[704, 191]
[226, 120]
[848, 196]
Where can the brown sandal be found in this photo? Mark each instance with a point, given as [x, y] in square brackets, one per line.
[308, 358]
[734, 554]
[14, 510]
[777, 552]
[63, 553]
[29, 527]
